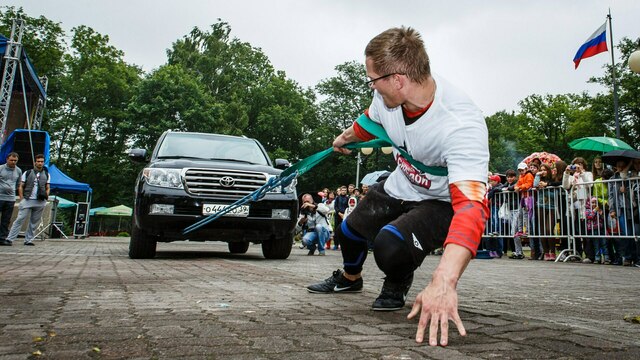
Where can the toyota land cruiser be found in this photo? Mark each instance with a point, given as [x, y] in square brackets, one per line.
[192, 175]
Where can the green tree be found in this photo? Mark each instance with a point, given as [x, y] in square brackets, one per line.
[344, 97]
[550, 122]
[504, 141]
[628, 97]
[251, 98]
[95, 92]
[171, 98]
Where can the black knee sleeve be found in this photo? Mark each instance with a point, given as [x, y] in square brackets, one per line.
[353, 246]
[393, 254]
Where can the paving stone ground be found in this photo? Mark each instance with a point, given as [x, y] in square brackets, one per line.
[85, 299]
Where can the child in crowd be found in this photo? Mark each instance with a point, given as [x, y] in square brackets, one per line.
[525, 182]
[613, 229]
[494, 243]
[511, 199]
[353, 202]
[595, 223]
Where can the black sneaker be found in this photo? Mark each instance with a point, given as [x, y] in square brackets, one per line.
[29, 244]
[336, 283]
[393, 295]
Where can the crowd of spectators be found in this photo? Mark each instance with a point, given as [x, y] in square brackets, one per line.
[331, 208]
[546, 204]
[540, 204]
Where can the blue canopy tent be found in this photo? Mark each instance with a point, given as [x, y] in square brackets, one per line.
[62, 183]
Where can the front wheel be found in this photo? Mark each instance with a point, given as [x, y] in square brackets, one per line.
[238, 247]
[141, 245]
[277, 248]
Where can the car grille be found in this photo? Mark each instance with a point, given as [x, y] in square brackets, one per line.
[223, 183]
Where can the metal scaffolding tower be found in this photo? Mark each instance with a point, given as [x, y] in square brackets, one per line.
[11, 62]
[42, 102]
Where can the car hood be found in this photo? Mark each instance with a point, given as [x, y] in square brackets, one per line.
[212, 164]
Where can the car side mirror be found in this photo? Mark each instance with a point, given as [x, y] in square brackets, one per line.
[282, 164]
[138, 155]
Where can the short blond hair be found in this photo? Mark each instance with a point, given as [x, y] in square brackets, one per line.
[399, 50]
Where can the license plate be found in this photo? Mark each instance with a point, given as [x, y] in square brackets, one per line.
[240, 211]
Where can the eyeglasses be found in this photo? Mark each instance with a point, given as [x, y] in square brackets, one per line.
[370, 81]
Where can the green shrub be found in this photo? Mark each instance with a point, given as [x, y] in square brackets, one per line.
[123, 234]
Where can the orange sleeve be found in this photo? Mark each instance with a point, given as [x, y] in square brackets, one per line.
[361, 133]
[470, 213]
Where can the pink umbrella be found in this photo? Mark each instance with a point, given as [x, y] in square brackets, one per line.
[543, 156]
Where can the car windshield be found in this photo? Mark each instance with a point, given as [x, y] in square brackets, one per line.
[205, 146]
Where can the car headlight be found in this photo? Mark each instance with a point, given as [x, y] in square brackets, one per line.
[288, 189]
[169, 178]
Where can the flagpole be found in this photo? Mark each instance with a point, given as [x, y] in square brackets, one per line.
[613, 76]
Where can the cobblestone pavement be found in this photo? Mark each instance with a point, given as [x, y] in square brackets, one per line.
[75, 299]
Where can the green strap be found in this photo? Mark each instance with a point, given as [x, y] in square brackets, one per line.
[382, 140]
[378, 131]
[309, 162]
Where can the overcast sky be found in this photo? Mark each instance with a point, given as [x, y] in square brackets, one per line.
[498, 52]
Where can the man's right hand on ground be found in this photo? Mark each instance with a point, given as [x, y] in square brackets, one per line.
[438, 302]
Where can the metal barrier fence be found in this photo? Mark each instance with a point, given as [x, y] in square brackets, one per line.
[583, 217]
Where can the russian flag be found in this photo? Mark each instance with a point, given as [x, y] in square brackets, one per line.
[595, 44]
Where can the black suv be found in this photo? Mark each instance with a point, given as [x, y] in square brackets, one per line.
[191, 175]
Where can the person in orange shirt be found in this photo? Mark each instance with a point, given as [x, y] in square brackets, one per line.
[525, 182]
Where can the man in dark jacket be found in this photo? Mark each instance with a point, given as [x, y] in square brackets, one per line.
[33, 193]
[341, 205]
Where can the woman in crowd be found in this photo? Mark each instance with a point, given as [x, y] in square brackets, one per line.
[595, 227]
[578, 180]
[599, 189]
[331, 196]
[597, 167]
[530, 204]
[562, 217]
[545, 211]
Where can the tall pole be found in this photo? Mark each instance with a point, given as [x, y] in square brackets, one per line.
[613, 78]
[358, 171]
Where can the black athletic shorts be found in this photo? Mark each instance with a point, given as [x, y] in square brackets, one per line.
[426, 221]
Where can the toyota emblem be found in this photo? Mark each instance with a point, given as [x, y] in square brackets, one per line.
[227, 181]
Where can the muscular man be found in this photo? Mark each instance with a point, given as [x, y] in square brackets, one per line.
[414, 212]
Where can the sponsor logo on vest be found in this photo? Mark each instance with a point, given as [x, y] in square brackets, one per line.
[414, 176]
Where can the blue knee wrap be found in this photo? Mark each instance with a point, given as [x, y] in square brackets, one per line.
[354, 248]
[393, 254]
[350, 234]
